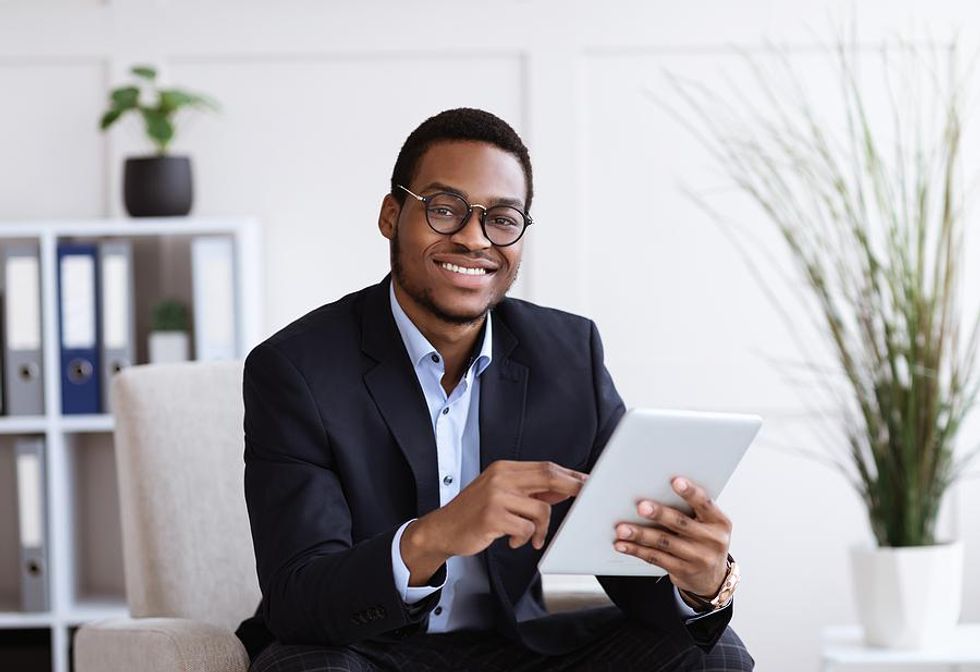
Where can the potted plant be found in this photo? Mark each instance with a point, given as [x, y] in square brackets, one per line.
[160, 185]
[870, 211]
[169, 340]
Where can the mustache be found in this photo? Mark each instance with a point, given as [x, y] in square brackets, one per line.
[461, 251]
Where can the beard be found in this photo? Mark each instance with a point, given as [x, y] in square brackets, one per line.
[423, 295]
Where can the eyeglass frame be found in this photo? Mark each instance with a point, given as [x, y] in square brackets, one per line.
[424, 200]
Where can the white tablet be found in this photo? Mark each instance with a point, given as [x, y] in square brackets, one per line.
[645, 452]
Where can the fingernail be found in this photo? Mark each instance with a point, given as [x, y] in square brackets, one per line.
[681, 485]
[625, 531]
[646, 508]
[621, 548]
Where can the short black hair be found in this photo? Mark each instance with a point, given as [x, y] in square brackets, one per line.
[462, 123]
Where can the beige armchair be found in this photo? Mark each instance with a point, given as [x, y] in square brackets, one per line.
[187, 548]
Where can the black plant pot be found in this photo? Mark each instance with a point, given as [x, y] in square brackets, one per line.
[158, 186]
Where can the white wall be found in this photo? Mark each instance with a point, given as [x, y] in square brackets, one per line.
[317, 100]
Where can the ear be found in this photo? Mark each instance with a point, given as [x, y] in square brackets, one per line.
[388, 217]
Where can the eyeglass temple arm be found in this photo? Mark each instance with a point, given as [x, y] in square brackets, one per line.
[411, 193]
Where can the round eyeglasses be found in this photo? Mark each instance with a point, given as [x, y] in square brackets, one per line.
[448, 213]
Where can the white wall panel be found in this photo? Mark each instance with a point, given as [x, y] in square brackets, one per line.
[686, 323]
[59, 5]
[51, 155]
[689, 321]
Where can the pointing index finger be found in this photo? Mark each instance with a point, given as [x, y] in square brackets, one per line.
[553, 478]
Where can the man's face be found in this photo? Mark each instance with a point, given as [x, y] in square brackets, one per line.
[422, 260]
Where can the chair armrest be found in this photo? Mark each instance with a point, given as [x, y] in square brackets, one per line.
[569, 601]
[157, 645]
[570, 593]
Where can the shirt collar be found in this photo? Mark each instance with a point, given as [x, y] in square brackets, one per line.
[418, 346]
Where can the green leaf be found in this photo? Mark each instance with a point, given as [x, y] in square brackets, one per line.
[110, 117]
[144, 71]
[203, 101]
[172, 99]
[158, 127]
[125, 98]
[169, 315]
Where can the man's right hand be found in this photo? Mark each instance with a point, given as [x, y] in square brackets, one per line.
[509, 498]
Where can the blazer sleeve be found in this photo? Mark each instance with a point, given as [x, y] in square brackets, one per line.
[648, 600]
[317, 586]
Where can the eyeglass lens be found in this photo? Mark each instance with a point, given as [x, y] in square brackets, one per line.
[446, 213]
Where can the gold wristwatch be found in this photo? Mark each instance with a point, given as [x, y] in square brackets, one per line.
[724, 593]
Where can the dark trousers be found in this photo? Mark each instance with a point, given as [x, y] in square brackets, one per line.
[626, 647]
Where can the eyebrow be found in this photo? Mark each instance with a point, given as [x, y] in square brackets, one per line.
[439, 186]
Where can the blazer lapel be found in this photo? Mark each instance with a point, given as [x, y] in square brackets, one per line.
[503, 387]
[395, 389]
[503, 391]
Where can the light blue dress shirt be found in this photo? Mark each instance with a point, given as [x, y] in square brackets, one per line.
[466, 600]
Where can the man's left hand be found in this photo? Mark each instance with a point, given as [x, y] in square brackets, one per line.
[693, 549]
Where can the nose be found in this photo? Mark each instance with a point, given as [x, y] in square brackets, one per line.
[471, 235]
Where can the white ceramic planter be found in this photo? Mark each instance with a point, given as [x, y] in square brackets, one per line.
[908, 598]
[169, 346]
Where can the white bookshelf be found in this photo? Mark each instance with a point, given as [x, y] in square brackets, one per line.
[84, 542]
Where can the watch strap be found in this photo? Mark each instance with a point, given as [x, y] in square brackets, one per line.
[724, 594]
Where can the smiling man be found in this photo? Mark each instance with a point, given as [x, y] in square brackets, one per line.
[411, 448]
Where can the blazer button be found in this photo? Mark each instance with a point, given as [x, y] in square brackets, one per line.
[437, 611]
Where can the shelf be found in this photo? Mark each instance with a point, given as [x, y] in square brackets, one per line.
[38, 424]
[86, 423]
[86, 580]
[127, 227]
[11, 620]
[23, 424]
[96, 608]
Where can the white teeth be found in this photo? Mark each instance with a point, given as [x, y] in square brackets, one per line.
[463, 269]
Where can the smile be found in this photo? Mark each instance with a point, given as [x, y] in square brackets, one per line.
[463, 270]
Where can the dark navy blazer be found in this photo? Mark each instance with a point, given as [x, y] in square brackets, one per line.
[339, 452]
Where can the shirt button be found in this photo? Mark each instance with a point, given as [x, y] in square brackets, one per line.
[435, 358]
[438, 610]
[447, 480]
[445, 410]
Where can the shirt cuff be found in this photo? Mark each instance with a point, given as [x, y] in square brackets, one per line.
[409, 594]
[688, 614]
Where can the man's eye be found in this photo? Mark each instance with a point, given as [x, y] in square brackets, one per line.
[441, 211]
